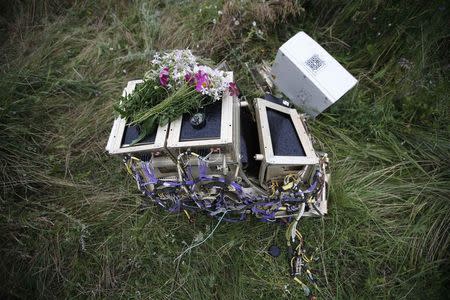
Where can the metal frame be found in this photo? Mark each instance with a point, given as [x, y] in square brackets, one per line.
[226, 127]
[115, 146]
[228, 142]
[265, 141]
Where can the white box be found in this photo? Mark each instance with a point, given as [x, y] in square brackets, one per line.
[309, 76]
[164, 164]
[228, 129]
[277, 165]
[115, 145]
[228, 139]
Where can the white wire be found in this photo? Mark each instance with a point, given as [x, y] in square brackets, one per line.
[207, 156]
[207, 160]
[199, 243]
[297, 218]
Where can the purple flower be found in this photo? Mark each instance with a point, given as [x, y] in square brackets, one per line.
[201, 81]
[189, 78]
[164, 76]
[232, 87]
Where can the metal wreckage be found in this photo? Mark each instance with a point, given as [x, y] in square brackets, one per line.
[242, 158]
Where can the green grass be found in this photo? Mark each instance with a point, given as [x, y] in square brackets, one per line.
[72, 224]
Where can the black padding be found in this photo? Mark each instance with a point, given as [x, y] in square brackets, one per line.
[285, 141]
[249, 143]
[243, 150]
[210, 131]
[132, 132]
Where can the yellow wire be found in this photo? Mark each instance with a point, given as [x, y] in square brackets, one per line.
[128, 169]
[288, 233]
[187, 214]
[273, 187]
[299, 281]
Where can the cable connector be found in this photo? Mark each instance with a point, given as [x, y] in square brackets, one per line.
[297, 266]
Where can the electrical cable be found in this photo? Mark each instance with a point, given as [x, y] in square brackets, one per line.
[204, 240]
[219, 195]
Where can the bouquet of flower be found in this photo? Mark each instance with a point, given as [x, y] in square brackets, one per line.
[175, 84]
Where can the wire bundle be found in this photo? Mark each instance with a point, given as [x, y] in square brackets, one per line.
[219, 196]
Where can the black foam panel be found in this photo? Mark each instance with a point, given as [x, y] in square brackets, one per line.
[132, 132]
[210, 131]
[285, 141]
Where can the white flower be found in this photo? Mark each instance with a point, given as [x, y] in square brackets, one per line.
[254, 23]
[236, 22]
[214, 21]
[182, 62]
[220, 12]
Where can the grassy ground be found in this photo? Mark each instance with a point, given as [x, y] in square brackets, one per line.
[71, 223]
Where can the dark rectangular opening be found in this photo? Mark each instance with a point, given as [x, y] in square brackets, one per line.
[132, 132]
[285, 140]
[167, 170]
[210, 131]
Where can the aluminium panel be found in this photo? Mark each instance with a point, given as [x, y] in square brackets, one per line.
[274, 165]
[265, 140]
[227, 127]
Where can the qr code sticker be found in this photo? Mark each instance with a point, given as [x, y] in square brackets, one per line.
[315, 63]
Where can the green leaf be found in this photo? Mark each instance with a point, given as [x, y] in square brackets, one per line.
[140, 137]
[380, 74]
[119, 110]
[147, 127]
[164, 120]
